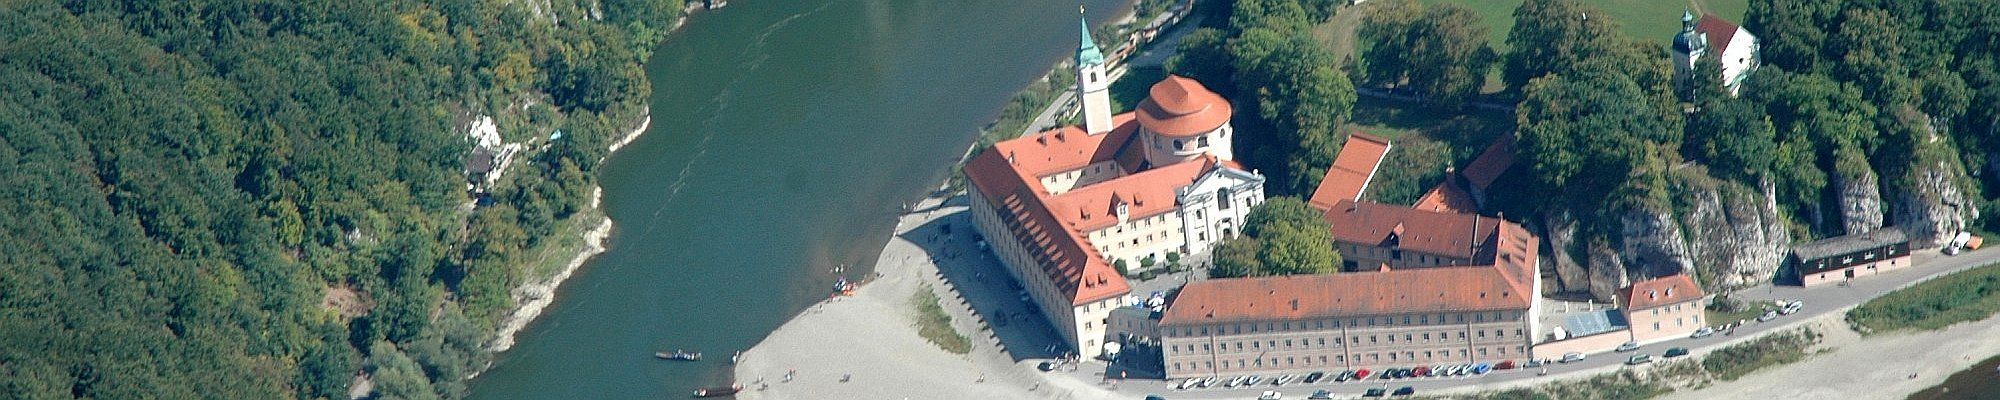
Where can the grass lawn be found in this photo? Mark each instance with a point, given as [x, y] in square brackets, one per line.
[1132, 87]
[1970, 295]
[1735, 361]
[1425, 141]
[934, 325]
[1653, 20]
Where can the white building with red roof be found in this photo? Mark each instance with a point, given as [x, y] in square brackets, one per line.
[1711, 36]
[1063, 207]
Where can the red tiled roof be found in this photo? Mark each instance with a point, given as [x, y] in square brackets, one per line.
[1447, 197]
[1656, 292]
[1007, 176]
[1490, 163]
[1454, 235]
[1147, 193]
[1068, 148]
[1719, 32]
[1182, 107]
[1278, 298]
[1351, 170]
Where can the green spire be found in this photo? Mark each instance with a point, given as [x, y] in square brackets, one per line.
[1086, 49]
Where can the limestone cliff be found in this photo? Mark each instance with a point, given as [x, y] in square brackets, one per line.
[1860, 201]
[1726, 234]
[1652, 243]
[1932, 207]
[1735, 234]
[1560, 235]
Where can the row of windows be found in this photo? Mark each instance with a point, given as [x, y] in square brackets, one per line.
[1321, 342]
[1438, 355]
[1406, 320]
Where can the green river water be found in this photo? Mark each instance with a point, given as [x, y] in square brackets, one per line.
[786, 135]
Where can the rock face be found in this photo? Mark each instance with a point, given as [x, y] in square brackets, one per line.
[1860, 202]
[1736, 235]
[1726, 234]
[1607, 271]
[1652, 243]
[1561, 236]
[1933, 208]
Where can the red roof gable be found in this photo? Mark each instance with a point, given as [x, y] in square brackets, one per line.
[1719, 32]
[1447, 197]
[1147, 193]
[1454, 235]
[1351, 170]
[1487, 167]
[1653, 293]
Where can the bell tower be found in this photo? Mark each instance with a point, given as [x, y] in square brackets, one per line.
[1092, 84]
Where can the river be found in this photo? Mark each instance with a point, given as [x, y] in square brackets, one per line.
[1981, 382]
[786, 136]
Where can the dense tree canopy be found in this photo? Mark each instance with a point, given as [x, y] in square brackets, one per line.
[1289, 93]
[1282, 236]
[1441, 51]
[260, 199]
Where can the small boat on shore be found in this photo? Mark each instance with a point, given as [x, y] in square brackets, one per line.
[718, 391]
[678, 355]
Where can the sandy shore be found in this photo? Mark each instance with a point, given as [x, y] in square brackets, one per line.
[1876, 367]
[533, 297]
[872, 336]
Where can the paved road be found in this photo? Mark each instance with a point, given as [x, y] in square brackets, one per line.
[1819, 301]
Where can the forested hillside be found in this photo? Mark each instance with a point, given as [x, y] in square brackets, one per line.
[1864, 114]
[260, 199]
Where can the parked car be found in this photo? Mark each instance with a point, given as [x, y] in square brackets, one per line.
[1792, 308]
[1314, 377]
[1209, 382]
[1628, 346]
[1236, 382]
[1254, 380]
[1703, 332]
[1639, 359]
[1343, 376]
[1374, 392]
[1321, 394]
[1482, 368]
[1155, 397]
[1188, 384]
[1768, 315]
[1271, 395]
[1405, 391]
[1361, 374]
[1506, 364]
[1533, 363]
[1571, 357]
[1283, 379]
[1423, 371]
[1675, 352]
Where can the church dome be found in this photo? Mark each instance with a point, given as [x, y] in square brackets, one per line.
[1182, 107]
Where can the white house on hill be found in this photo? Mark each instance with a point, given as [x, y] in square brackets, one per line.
[1711, 36]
